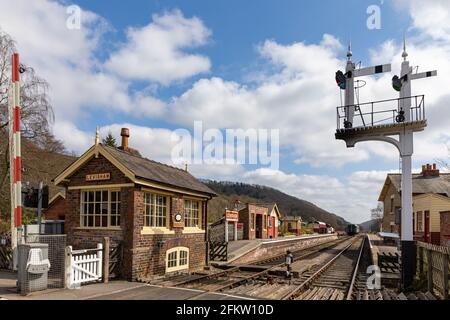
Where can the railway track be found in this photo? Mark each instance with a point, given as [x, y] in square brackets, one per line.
[333, 280]
[263, 278]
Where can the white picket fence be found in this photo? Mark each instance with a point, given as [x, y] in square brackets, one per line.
[84, 266]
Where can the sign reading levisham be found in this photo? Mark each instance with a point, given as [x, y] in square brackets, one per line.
[98, 176]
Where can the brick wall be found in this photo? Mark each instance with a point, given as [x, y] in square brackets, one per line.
[57, 210]
[445, 228]
[389, 216]
[149, 251]
[245, 219]
[98, 165]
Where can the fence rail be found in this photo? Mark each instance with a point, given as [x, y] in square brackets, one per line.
[382, 112]
[433, 266]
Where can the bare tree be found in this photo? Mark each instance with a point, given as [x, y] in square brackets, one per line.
[377, 215]
[36, 113]
[445, 163]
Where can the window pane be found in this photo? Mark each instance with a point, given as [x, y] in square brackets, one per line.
[90, 208]
[104, 221]
[105, 196]
[90, 222]
[91, 196]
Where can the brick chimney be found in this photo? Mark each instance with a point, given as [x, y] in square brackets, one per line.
[430, 170]
[125, 133]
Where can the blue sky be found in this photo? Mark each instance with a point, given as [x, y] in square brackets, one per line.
[157, 66]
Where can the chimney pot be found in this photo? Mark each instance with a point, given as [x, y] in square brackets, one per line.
[434, 166]
[125, 133]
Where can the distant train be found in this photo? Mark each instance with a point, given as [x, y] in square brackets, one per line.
[352, 229]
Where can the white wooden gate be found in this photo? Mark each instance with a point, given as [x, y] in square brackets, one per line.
[84, 265]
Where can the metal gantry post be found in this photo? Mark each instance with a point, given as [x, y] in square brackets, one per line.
[404, 144]
[349, 88]
[406, 140]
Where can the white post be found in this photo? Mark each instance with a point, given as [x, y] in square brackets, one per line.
[407, 217]
[100, 257]
[68, 267]
[408, 251]
[226, 231]
[235, 231]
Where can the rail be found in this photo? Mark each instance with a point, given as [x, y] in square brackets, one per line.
[238, 282]
[382, 112]
[355, 271]
[315, 248]
[305, 284]
[315, 275]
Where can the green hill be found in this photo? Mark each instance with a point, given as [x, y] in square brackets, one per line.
[288, 205]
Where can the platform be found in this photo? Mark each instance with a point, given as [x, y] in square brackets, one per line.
[239, 250]
[378, 246]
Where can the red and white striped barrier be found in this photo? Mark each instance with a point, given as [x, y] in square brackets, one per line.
[17, 181]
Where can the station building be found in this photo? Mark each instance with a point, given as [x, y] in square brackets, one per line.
[431, 197]
[291, 224]
[260, 221]
[157, 212]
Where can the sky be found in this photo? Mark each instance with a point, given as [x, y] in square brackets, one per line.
[158, 67]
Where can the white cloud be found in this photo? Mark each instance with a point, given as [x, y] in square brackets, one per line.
[431, 17]
[352, 197]
[299, 100]
[155, 52]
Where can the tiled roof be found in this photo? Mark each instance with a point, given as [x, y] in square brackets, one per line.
[421, 184]
[158, 172]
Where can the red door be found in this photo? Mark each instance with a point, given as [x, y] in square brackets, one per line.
[426, 236]
[274, 228]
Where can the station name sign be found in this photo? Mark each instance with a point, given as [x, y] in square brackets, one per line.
[98, 176]
[231, 215]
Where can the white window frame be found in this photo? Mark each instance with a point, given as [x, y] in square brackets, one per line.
[109, 203]
[188, 210]
[155, 205]
[177, 251]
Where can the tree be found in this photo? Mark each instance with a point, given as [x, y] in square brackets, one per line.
[377, 215]
[36, 115]
[109, 140]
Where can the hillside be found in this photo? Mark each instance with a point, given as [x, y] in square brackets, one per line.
[370, 226]
[288, 205]
[37, 165]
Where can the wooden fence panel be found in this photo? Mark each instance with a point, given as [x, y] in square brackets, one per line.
[433, 265]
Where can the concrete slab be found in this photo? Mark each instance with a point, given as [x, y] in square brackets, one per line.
[8, 281]
[114, 290]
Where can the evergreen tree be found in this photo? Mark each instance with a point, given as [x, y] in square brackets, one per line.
[109, 140]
